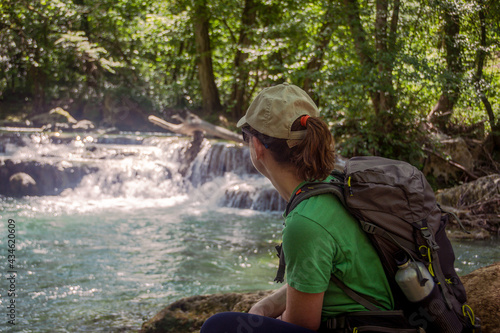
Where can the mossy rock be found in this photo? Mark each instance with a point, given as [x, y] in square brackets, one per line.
[188, 314]
[54, 116]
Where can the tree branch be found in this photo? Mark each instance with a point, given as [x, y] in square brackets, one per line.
[192, 124]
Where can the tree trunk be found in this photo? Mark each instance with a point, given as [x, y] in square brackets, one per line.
[385, 63]
[379, 59]
[39, 83]
[384, 67]
[364, 51]
[209, 91]
[443, 110]
[316, 61]
[38, 91]
[248, 19]
[480, 58]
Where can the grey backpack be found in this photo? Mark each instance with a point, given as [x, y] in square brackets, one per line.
[396, 207]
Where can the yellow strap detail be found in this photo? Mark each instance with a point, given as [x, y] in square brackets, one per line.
[468, 312]
[355, 330]
[428, 255]
[431, 270]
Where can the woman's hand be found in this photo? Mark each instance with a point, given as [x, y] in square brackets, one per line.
[272, 306]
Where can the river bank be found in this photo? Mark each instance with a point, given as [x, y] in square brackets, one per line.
[188, 314]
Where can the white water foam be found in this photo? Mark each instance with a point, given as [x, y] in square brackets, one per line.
[146, 175]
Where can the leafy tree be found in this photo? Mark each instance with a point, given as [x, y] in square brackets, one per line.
[377, 69]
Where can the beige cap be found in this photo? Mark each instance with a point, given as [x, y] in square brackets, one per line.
[276, 108]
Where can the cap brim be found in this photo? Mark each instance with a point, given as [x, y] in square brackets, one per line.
[241, 122]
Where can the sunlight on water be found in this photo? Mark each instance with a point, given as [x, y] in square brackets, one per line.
[90, 270]
[135, 235]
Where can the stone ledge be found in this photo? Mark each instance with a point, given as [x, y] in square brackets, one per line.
[188, 314]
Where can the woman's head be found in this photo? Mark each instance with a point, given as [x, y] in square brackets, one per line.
[286, 121]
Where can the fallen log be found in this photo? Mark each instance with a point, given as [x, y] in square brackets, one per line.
[192, 124]
[20, 129]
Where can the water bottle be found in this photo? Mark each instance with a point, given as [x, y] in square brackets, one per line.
[409, 280]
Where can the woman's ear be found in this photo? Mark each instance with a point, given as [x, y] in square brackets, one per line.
[259, 148]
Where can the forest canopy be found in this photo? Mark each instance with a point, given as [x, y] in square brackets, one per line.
[381, 71]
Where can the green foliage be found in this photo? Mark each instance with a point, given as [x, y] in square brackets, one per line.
[90, 50]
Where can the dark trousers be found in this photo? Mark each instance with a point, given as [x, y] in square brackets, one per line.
[236, 322]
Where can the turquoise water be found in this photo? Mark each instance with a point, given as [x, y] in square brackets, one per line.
[108, 272]
[131, 239]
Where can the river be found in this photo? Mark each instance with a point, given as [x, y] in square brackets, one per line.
[135, 235]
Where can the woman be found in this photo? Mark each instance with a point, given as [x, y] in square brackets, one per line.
[289, 144]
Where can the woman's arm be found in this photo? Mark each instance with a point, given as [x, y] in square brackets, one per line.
[271, 306]
[303, 309]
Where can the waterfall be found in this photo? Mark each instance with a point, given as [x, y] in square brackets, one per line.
[135, 170]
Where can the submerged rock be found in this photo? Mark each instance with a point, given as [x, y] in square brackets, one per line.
[22, 184]
[36, 178]
[188, 314]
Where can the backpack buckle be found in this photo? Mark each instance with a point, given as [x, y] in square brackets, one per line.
[426, 233]
[369, 228]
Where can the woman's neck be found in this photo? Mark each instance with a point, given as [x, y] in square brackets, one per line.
[285, 180]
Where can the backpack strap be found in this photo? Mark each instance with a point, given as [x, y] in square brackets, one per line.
[311, 189]
[455, 216]
[366, 301]
[280, 275]
[373, 229]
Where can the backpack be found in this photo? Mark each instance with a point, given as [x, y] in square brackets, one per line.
[396, 207]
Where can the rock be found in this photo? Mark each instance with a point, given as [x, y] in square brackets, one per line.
[479, 234]
[35, 178]
[188, 314]
[454, 149]
[477, 203]
[237, 196]
[483, 296]
[55, 116]
[125, 113]
[83, 125]
[268, 199]
[22, 184]
[245, 196]
[483, 189]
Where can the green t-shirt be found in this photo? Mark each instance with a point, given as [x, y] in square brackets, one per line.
[320, 238]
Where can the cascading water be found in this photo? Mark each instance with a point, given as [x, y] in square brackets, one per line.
[116, 232]
[146, 172]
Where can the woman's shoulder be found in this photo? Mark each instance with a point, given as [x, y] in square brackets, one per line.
[324, 210]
